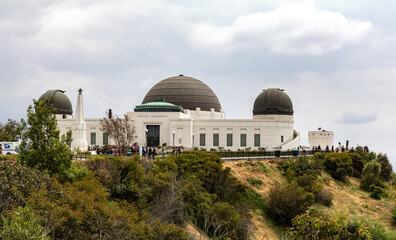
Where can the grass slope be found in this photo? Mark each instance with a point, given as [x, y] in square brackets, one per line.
[347, 197]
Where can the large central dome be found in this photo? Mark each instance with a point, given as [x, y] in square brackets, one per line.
[188, 92]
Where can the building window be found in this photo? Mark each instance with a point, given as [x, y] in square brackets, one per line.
[215, 139]
[93, 138]
[243, 140]
[229, 139]
[202, 139]
[281, 138]
[257, 140]
[105, 139]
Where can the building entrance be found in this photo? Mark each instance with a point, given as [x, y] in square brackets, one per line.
[153, 135]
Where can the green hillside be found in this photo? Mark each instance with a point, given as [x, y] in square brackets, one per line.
[195, 195]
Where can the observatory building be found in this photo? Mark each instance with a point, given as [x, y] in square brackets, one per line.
[184, 111]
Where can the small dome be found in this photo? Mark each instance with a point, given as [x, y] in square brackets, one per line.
[61, 101]
[188, 92]
[273, 101]
[158, 105]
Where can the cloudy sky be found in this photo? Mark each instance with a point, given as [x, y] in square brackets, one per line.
[335, 59]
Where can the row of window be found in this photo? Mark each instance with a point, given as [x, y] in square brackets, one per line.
[105, 138]
[202, 139]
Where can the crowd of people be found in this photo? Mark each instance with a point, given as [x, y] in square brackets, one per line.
[147, 152]
[340, 148]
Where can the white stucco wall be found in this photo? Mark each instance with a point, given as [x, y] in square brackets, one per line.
[322, 138]
[270, 127]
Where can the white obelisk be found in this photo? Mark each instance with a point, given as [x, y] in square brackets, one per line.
[79, 134]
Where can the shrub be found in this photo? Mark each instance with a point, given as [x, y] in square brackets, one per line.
[377, 192]
[72, 174]
[394, 215]
[371, 175]
[339, 165]
[123, 176]
[286, 201]
[386, 167]
[357, 164]
[309, 183]
[254, 182]
[338, 227]
[256, 166]
[378, 232]
[324, 197]
[22, 225]
[17, 181]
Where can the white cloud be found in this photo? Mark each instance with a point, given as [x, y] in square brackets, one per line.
[290, 29]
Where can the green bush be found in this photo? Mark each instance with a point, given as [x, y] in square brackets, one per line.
[371, 175]
[377, 192]
[256, 166]
[338, 227]
[17, 181]
[254, 182]
[178, 188]
[72, 174]
[122, 175]
[81, 210]
[22, 225]
[286, 201]
[379, 232]
[324, 197]
[339, 165]
[357, 164]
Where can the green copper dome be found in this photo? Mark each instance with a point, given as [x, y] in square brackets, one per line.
[158, 105]
[273, 101]
[61, 101]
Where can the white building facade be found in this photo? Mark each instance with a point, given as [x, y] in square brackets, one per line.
[321, 139]
[183, 111]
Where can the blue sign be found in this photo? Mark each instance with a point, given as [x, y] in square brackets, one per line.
[7, 146]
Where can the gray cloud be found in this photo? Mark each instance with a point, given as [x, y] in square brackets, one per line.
[351, 117]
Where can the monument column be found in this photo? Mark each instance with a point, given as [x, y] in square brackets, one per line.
[79, 133]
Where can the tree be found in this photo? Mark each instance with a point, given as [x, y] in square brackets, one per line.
[386, 167]
[121, 130]
[9, 131]
[42, 146]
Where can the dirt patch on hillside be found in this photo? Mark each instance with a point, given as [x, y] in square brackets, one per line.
[264, 170]
[268, 173]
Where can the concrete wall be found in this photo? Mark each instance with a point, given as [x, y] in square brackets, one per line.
[322, 138]
[271, 128]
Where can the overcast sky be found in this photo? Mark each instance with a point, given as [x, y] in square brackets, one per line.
[335, 59]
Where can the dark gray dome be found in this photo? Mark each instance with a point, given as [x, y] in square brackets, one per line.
[273, 101]
[184, 91]
[61, 101]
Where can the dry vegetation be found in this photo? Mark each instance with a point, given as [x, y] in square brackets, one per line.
[347, 197]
